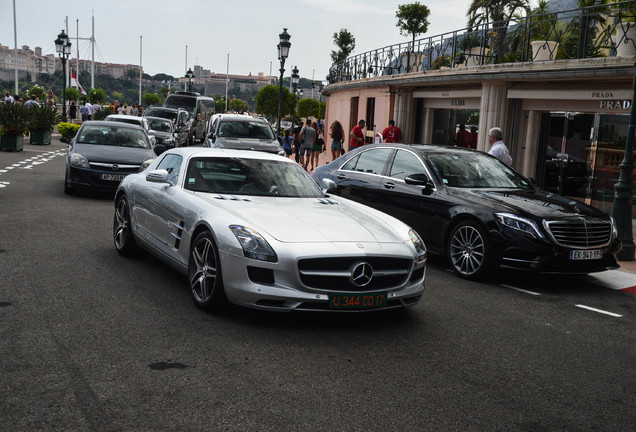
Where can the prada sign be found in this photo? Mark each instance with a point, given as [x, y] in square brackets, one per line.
[618, 105]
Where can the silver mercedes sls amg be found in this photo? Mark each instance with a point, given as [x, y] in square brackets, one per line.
[253, 229]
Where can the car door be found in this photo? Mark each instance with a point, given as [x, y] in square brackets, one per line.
[152, 203]
[424, 208]
[359, 178]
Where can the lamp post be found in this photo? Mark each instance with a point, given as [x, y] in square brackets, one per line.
[283, 53]
[63, 48]
[295, 78]
[189, 75]
[622, 209]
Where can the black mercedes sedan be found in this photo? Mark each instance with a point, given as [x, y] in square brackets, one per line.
[476, 210]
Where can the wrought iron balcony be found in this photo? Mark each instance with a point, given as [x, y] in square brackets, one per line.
[597, 31]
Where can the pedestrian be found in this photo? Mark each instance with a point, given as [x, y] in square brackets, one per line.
[33, 101]
[473, 137]
[318, 147]
[296, 144]
[392, 134]
[121, 110]
[357, 136]
[463, 137]
[88, 111]
[8, 98]
[134, 111]
[307, 138]
[337, 139]
[72, 111]
[287, 143]
[498, 149]
[94, 108]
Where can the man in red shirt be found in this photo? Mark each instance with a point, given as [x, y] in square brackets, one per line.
[357, 136]
[392, 134]
[463, 137]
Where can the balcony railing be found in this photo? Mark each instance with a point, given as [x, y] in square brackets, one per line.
[597, 31]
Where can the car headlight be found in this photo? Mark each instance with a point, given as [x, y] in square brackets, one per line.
[168, 141]
[420, 247]
[79, 160]
[253, 244]
[519, 223]
[614, 228]
[146, 164]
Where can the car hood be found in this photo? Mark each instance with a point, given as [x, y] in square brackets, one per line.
[309, 220]
[534, 203]
[113, 154]
[248, 144]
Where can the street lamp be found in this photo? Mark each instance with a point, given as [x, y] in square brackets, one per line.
[63, 48]
[283, 53]
[295, 78]
[622, 209]
[189, 75]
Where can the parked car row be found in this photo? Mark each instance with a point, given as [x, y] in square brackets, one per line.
[219, 214]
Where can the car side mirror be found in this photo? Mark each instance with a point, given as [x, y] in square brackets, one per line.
[329, 186]
[157, 176]
[420, 179]
[152, 132]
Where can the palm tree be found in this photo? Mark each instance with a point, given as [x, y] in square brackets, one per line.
[495, 14]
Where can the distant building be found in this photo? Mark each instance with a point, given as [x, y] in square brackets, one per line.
[27, 60]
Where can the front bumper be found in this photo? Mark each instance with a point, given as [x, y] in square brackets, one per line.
[279, 286]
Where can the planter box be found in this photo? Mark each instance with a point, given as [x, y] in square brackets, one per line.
[626, 40]
[11, 143]
[40, 137]
[544, 50]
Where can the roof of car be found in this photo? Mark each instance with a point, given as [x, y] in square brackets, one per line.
[162, 108]
[111, 123]
[219, 152]
[124, 117]
[240, 117]
[425, 148]
[158, 118]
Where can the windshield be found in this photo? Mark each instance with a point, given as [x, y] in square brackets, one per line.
[246, 129]
[250, 177]
[185, 102]
[158, 112]
[475, 170]
[160, 125]
[112, 136]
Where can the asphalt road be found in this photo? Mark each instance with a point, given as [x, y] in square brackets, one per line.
[91, 341]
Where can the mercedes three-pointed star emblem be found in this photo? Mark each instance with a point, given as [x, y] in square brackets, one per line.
[361, 273]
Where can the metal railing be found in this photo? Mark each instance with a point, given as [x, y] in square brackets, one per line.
[597, 31]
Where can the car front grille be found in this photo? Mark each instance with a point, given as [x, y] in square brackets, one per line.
[339, 274]
[580, 233]
[116, 168]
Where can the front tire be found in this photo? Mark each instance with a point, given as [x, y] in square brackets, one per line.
[122, 229]
[204, 270]
[468, 250]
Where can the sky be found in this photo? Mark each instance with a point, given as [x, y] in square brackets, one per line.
[246, 30]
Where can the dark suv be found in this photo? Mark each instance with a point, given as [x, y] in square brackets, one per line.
[180, 118]
[200, 108]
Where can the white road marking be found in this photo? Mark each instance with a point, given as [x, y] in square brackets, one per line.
[599, 311]
[522, 290]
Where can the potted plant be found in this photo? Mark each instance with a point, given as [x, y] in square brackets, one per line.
[626, 30]
[42, 120]
[13, 125]
[544, 35]
[473, 49]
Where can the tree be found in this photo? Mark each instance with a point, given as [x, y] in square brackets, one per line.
[72, 94]
[267, 101]
[96, 95]
[132, 73]
[219, 104]
[499, 13]
[412, 20]
[119, 96]
[237, 105]
[309, 108]
[38, 92]
[151, 99]
[163, 91]
[323, 110]
[162, 77]
[345, 42]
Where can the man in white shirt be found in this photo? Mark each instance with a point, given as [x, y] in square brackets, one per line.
[498, 149]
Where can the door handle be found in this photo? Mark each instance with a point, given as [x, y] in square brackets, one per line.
[389, 185]
[341, 177]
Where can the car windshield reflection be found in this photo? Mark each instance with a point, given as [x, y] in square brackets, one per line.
[245, 129]
[475, 171]
[255, 177]
[113, 136]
